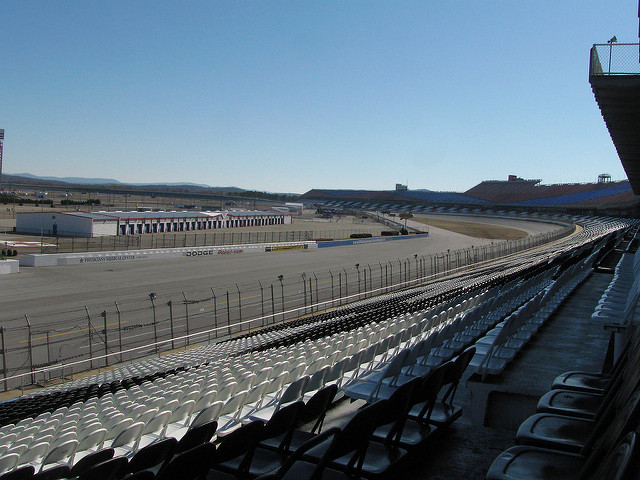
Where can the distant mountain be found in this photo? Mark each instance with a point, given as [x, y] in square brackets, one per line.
[80, 180]
[108, 181]
[189, 184]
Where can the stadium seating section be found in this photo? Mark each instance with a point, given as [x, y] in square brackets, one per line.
[253, 406]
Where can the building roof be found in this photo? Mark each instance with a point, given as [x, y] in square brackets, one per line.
[162, 215]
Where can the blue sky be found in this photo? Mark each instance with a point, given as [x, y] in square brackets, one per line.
[292, 95]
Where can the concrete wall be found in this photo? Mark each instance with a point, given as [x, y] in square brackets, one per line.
[190, 253]
[9, 266]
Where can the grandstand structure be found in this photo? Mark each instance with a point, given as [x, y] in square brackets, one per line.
[530, 192]
[614, 75]
[515, 193]
[401, 355]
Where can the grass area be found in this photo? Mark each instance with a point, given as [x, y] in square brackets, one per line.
[476, 230]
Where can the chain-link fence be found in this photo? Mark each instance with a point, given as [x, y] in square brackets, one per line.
[615, 59]
[187, 239]
[37, 350]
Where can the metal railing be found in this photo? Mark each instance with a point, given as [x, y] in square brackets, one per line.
[614, 59]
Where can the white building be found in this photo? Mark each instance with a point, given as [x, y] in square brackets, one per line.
[294, 207]
[82, 224]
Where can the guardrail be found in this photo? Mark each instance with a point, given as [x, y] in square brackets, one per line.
[614, 59]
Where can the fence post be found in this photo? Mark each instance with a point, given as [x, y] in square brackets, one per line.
[346, 283]
[273, 306]
[364, 273]
[239, 304]
[215, 311]
[30, 344]
[106, 343]
[48, 356]
[170, 305]
[152, 297]
[331, 274]
[119, 329]
[261, 301]
[228, 314]
[304, 286]
[90, 338]
[280, 277]
[4, 359]
[186, 314]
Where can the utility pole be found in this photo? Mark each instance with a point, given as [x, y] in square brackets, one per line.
[1, 142]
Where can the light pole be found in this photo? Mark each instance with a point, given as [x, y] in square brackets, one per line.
[611, 41]
[358, 269]
[152, 297]
[346, 283]
[304, 287]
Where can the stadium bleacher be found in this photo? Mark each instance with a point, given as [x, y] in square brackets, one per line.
[402, 354]
[519, 192]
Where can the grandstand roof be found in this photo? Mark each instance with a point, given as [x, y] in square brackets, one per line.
[161, 215]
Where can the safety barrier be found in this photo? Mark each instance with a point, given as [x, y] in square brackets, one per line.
[362, 241]
[55, 259]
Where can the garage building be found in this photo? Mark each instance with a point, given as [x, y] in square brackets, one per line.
[82, 224]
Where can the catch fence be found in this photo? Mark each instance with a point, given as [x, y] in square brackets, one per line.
[44, 349]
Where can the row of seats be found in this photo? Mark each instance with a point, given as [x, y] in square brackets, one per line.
[500, 345]
[134, 413]
[586, 427]
[619, 300]
[313, 361]
[162, 456]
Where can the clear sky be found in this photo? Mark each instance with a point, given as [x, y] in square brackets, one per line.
[291, 95]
